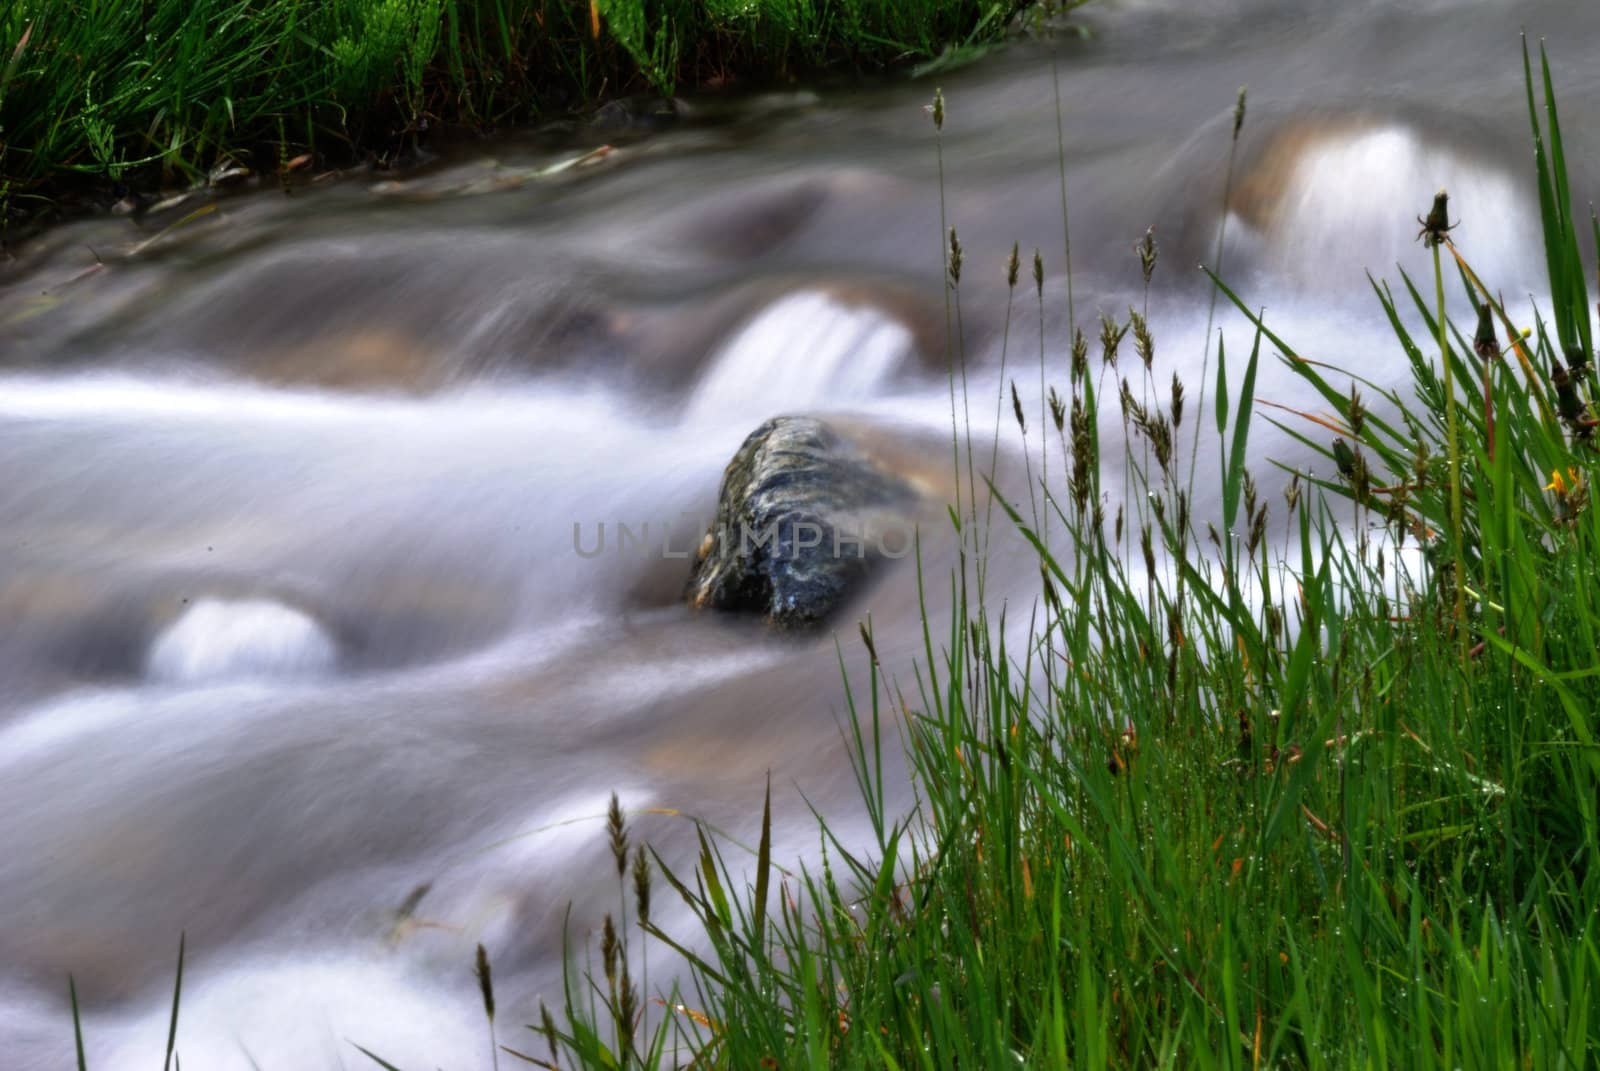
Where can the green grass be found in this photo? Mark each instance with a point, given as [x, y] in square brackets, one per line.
[1283, 803]
[102, 93]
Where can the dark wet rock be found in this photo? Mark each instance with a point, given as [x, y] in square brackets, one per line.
[804, 518]
[638, 113]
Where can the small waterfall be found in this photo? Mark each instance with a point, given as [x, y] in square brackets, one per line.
[224, 639]
[1350, 204]
[804, 350]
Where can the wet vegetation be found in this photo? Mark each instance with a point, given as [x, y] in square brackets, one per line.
[98, 96]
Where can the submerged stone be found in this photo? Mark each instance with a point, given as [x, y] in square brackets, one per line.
[804, 517]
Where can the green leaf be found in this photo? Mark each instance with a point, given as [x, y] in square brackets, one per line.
[1222, 385]
[1233, 483]
[713, 880]
[763, 871]
[77, 1023]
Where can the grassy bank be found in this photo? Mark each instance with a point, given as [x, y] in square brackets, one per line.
[1312, 787]
[95, 94]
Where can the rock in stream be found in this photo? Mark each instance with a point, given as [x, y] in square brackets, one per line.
[804, 518]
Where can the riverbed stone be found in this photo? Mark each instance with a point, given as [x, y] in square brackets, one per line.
[804, 518]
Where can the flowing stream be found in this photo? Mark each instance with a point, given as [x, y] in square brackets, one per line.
[292, 617]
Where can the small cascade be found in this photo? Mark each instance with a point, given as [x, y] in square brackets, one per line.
[228, 639]
[1350, 202]
[805, 350]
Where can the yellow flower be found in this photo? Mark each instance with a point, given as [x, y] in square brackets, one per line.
[1561, 485]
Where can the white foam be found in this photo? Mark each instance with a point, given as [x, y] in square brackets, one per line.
[139, 397]
[1352, 201]
[223, 639]
[801, 351]
[305, 1013]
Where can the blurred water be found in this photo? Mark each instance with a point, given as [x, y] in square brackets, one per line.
[293, 619]
[799, 352]
[218, 639]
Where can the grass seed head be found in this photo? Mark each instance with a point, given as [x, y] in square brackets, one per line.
[1148, 252]
[1484, 343]
[1437, 227]
[1144, 343]
[1569, 405]
[485, 982]
[1356, 412]
[1159, 432]
[1083, 456]
[1110, 338]
[1258, 529]
[608, 950]
[1577, 361]
[1421, 461]
[627, 1015]
[547, 1026]
[1395, 514]
[1353, 467]
[866, 641]
[617, 832]
[641, 879]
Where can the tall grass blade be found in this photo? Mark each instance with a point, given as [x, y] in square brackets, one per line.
[177, 995]
[763, 871]
[77, 1023]
[375, 1058]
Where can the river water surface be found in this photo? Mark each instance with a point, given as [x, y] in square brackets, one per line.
[293, 619]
